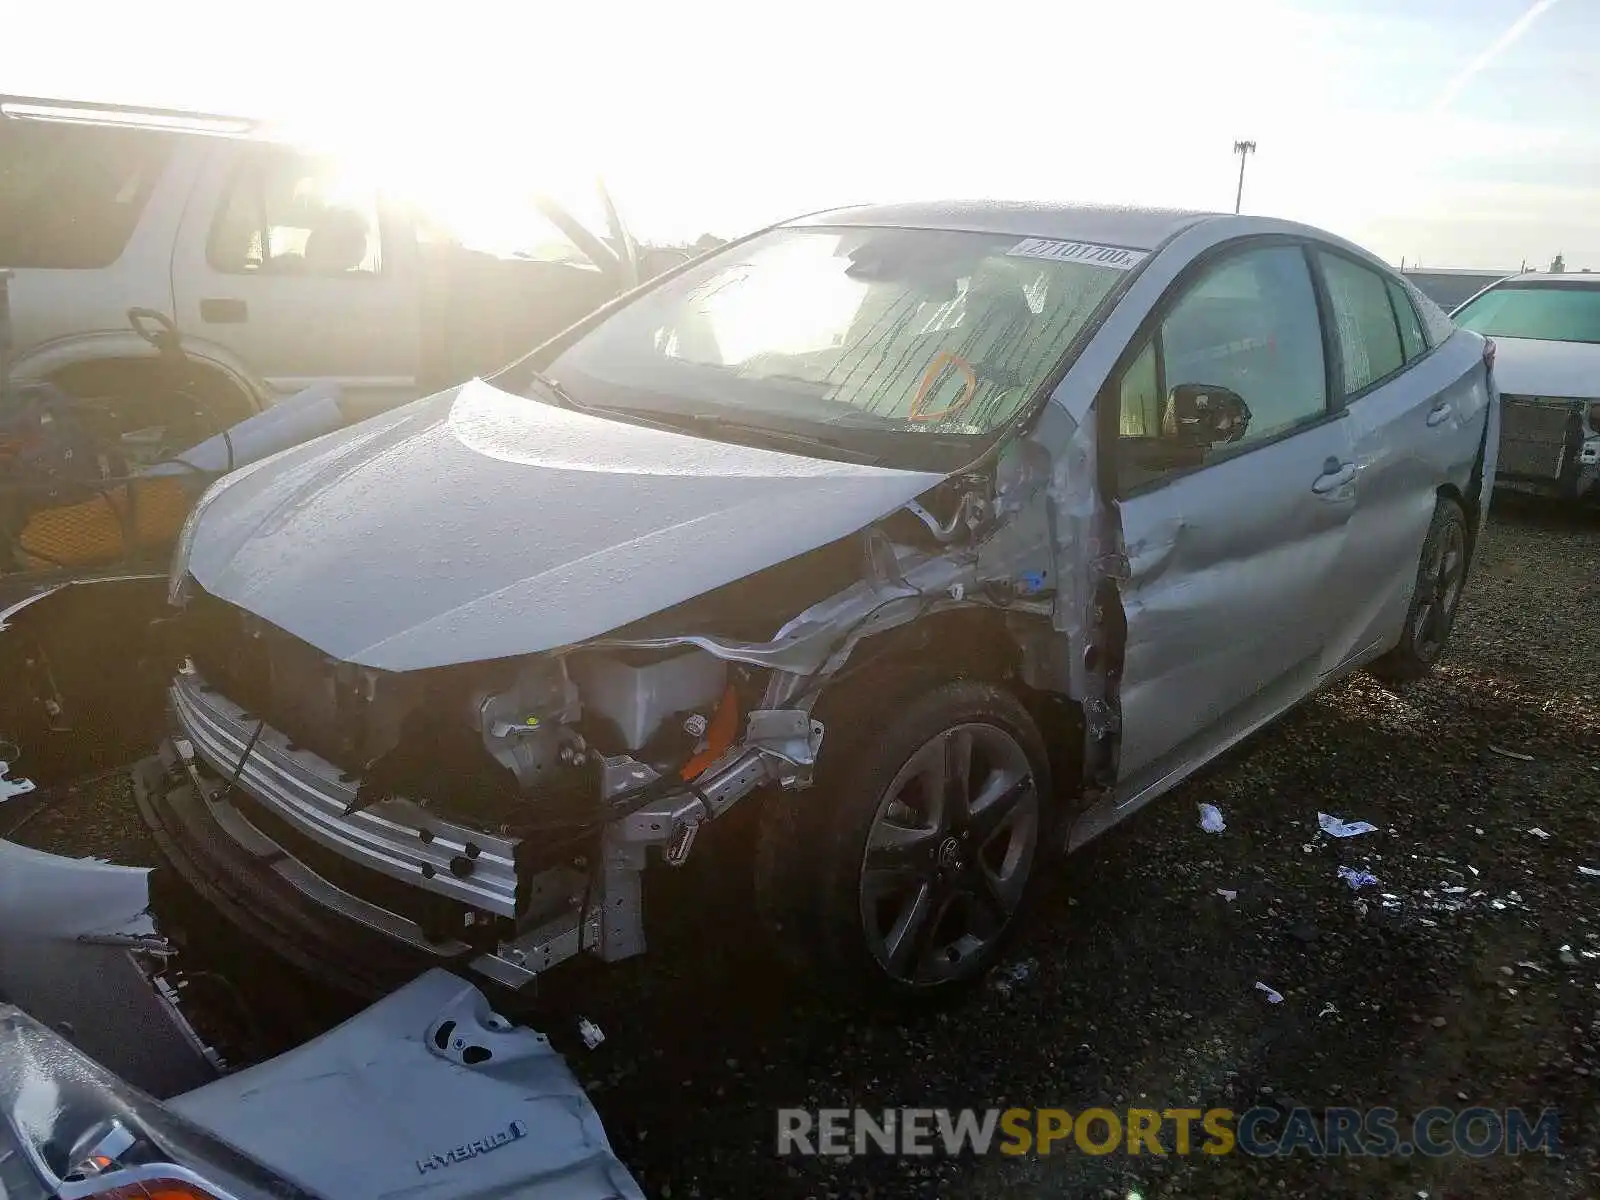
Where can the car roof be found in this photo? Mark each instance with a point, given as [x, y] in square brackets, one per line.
[1112, 225]
[133, 116]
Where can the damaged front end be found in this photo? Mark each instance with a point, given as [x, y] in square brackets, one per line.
[500, 815]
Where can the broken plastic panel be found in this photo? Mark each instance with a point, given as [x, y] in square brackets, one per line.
[426, 1091]
[79, 951]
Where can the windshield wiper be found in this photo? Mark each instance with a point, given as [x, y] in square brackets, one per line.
[562, 396]
[790, 377]
[565, 399]
[717, 423]
[712, 423]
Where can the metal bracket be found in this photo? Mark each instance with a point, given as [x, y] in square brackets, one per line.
[968, 515]
[787, 733]
[621, 773]
[621, 914]
[677, 850]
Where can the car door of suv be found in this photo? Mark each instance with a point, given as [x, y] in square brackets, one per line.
[304, 271]
[1414, 425]
[1231, 543]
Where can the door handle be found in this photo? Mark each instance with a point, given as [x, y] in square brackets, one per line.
[1440, 413]
[1335, 475]
[223, 310]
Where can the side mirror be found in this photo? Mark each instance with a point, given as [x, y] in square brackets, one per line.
[1201, 414]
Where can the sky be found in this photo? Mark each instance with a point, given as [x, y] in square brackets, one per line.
[1458, 133]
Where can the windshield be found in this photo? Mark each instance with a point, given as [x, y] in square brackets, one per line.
[915, 345]
[1555, 312]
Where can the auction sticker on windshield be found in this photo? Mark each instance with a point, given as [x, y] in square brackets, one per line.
[1116, 257]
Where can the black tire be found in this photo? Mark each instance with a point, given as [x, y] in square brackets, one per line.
[1441, 575]
[827, 909]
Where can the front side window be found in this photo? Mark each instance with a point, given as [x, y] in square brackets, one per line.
[1369, 338]
[919, 344]
[289, 214]
[1236, 360]
[71, 195]
[1550, 311]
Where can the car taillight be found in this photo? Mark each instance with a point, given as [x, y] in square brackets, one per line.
[159, 1189]
[66, 1123]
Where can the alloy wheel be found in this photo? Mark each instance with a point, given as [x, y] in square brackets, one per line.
[949, 854]
[1440, 592]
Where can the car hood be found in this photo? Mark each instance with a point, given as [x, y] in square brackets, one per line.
[1527, 367]
[476, 524]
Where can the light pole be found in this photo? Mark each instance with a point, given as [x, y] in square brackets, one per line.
[1241, 149]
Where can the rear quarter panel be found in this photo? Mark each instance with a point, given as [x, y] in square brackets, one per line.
[1406, 464]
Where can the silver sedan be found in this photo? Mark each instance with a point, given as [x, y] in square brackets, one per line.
[948, 535]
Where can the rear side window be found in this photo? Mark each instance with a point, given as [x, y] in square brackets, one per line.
[1411, 339]
[1436, 323]
[1369, 340]
[71, 195]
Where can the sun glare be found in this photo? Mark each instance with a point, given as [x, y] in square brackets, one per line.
[709, 117]
[800, 302]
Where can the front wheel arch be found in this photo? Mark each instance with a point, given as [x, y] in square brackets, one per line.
[974, 643]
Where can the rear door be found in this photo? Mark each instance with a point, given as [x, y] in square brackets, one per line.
[1231, 547]
[304, 270]
[1415, 424]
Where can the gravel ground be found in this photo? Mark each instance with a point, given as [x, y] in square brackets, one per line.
[1140, 977]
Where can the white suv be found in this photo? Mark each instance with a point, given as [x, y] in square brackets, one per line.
[277, 267]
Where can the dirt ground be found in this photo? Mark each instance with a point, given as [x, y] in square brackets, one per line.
[1470, 975]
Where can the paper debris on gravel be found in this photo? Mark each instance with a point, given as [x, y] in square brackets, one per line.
[1336, 827]
[10, 788]
[1211, 819]
[1503, 753]
[1228, 894]
[1357, 879]
[1539, 833]
[1595, 871]
[1273, 997]
[590, 1033]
